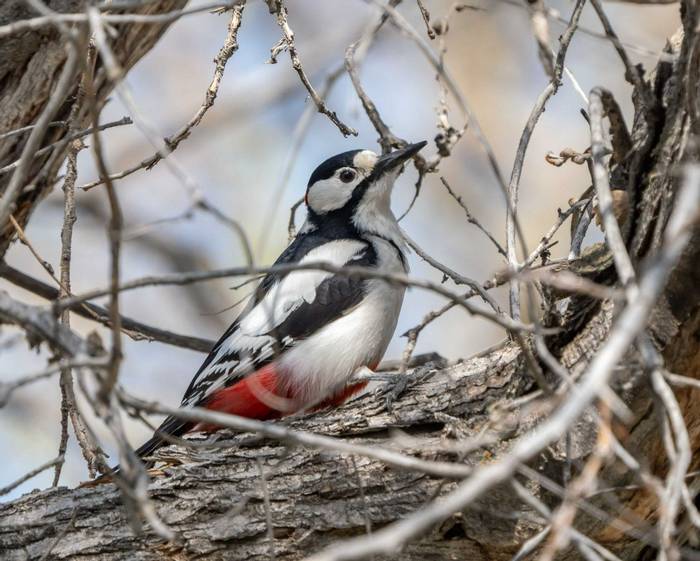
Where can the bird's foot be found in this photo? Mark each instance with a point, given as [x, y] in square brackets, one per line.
[398, 383]
[393, 389]
[394, 383]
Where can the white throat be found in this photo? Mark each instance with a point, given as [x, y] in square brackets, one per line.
[373, 214]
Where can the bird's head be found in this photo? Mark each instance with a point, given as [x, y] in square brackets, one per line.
[352, 183]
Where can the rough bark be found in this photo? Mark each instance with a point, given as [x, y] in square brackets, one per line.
[214, 499]
[30, 63]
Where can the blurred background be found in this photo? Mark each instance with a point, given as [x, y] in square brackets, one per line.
[237, 157]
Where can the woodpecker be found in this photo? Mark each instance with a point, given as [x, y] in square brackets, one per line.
[303, 334]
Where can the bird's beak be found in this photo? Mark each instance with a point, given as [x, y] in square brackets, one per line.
[394, 159]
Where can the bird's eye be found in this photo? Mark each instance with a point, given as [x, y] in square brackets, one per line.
[347, 175]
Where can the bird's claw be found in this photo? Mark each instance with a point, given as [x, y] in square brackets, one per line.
[397, 384]
[394, 389]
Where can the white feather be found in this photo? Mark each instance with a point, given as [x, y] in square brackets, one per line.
[323, 363]
[365, 161]
[297, 287]
[329, 194]
[373, 214]
[281, 300]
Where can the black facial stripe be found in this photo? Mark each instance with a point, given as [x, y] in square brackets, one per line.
[358, 192]
[402, 257]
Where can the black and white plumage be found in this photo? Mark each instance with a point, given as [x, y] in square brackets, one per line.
[303, 334]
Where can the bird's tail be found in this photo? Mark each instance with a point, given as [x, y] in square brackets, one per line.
[171, 426]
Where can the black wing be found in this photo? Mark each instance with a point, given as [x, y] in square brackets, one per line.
[297, 315]
[285, 308]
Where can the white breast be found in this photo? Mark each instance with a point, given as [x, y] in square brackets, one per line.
[322, 364]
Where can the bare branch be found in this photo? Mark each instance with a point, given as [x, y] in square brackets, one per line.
[287, 42]
[363, 272]
[134, 329]
[172, 142]
[27, 476]
[630, 323]
[623, 263]
[43, 324]
[514, 184]
[114, 229]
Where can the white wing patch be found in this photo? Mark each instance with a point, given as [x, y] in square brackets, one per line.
[251, 342]
[358, 338]
[298, 287]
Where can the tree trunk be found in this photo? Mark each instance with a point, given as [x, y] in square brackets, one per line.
[30, 64]
[215, 500]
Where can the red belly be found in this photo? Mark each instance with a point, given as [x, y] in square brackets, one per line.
[261, 395]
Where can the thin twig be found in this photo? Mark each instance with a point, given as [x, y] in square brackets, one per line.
[68, 404]
[27, 476]
[629, 324]
[75, 135]
[287, 42]
[22, 130]
[134, 329]
[471, 218]
[8, 388]
[632, 72]
[555, 15]
[514, 184]
[24, 240]
[291, 225]
[425, 14]
[455, 276]
[387, 139]
[69, 407]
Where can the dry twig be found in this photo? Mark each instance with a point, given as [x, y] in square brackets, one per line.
[287, 42]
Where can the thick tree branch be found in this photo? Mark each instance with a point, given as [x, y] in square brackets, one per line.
[471, 462]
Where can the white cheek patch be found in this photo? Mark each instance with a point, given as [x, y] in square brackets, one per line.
[365, 161]
[328, 195]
